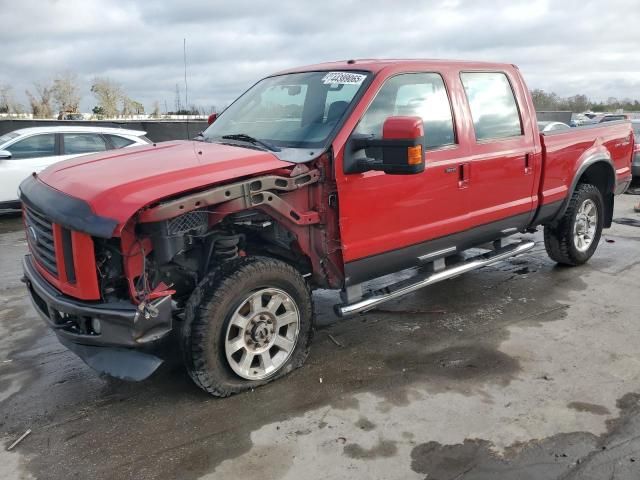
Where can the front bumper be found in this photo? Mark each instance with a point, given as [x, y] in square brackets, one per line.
[124, 329]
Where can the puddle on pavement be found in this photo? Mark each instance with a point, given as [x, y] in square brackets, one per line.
[577, 455]
[589, 408]
[630, 222]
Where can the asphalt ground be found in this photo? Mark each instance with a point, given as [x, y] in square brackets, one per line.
[520, 370]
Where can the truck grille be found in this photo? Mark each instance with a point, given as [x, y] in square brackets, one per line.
[40, 239]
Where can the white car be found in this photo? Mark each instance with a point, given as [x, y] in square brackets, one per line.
[545, 127]
[29, 150]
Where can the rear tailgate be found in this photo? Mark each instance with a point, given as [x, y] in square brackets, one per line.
[565, 151]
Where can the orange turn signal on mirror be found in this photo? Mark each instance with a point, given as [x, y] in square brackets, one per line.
[414, 155]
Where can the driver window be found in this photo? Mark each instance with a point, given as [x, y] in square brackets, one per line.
[35, 146]
[412, 94]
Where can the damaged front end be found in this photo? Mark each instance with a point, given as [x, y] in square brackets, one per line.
[110, 297]
[106, 335]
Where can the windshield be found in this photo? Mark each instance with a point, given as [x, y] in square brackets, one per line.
[636, 130]
[293, 115]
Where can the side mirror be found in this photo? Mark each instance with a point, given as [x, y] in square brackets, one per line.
[4, 154]
[401, 147]
[212, 118]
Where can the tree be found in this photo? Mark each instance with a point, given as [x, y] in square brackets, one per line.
[41, 100]
[6, 99]
[66, 92]
[578, 103]
[155, 113]
[545, 101]
[131, 107]
[137, 107]
[108, 93]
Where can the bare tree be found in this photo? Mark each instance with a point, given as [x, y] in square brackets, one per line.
[66, 92]
[40, 100]
[6, 99]
[18, 108]
[108, 94]
[156, 109]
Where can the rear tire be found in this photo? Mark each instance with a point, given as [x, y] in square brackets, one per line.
[574, 239]
[248, 322]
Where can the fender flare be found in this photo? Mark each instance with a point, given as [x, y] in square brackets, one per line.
[588, 162]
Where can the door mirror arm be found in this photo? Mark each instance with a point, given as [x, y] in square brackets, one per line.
[401, 148]
[366, 164]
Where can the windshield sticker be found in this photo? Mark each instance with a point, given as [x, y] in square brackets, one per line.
[343, 78]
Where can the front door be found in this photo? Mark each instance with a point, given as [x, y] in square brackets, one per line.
[388, 222]
[28, 155]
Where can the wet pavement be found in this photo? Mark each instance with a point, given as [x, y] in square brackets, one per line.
[521, 370]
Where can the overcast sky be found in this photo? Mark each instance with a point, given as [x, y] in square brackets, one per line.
[566, 46]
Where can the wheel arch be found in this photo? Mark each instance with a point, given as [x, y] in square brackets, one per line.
[599, 171]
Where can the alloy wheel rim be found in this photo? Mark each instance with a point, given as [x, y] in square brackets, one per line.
[585, 225]
[262, 334]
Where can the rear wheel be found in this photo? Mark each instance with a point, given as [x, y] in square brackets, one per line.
[247, 323]
[574, 239]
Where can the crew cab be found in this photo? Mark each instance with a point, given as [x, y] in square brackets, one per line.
[327, 176]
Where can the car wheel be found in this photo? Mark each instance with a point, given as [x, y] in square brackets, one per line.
[246, 324]
[574, 239]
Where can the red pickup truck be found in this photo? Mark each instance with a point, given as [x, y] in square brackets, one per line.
[325, 176]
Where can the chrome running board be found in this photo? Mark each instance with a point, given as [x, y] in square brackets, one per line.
[419, 281]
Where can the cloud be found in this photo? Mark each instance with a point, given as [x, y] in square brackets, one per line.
[569, 47]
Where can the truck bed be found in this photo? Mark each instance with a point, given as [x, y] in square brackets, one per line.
[566, 152]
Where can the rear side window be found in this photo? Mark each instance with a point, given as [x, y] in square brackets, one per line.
[119, 142]
[412, 94]
[493, 105]
[77, 143]
[35, 146]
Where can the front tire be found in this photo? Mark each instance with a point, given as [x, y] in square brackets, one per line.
[574, 239]
[246, 324]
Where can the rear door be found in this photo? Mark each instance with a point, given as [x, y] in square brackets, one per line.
[28, 155]
[501, 173]
[387, 222]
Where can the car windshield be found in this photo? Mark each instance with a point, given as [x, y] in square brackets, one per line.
[293, 115]
[7, 136]
[636, 130]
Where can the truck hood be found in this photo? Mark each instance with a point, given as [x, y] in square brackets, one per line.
[117, 184]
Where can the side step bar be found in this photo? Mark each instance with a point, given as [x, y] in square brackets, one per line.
[422, 280]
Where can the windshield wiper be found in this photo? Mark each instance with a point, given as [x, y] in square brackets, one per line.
[243, 137]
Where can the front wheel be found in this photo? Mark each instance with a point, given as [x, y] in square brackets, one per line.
[247, 323]
[575, 238]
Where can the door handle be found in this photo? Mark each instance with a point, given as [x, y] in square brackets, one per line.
[527, 164]
[463, 175]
